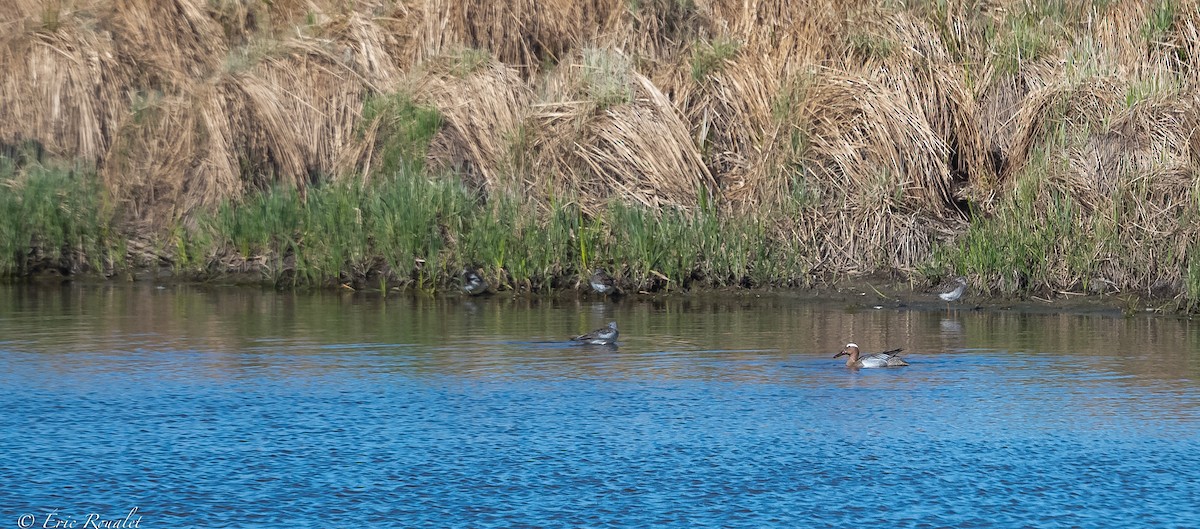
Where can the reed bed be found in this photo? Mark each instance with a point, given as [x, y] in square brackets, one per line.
[1038, 146]
[409, 231]
[54, 220]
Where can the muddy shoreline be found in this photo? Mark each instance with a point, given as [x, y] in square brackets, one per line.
[857, 293]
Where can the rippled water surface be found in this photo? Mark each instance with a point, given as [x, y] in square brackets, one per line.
[205, 407]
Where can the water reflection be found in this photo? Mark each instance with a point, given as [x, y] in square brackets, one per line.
[238, 326]
[711, 410]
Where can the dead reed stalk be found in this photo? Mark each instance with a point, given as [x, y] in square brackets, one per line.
[63, 87]
[605, 131]
[485, 106]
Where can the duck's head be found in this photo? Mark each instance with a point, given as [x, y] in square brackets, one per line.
[850, 349]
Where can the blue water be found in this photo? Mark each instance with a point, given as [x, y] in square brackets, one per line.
[219, 409]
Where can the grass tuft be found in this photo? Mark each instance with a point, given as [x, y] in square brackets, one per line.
[403, 129]
[54, 218]
[607, 75]
[711, 56]
[870, 46]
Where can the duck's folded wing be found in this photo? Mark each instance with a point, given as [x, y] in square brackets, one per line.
[881, 359]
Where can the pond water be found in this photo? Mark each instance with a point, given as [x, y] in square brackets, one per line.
[209, 407]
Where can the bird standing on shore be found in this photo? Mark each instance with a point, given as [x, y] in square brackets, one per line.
[956, 293]
[603, 283]
[884, 359]
[602, 336]
[473, 283]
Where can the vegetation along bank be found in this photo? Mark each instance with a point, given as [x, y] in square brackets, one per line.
[1036, 147]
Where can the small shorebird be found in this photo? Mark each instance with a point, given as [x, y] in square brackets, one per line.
[602, 336]
[603, 283]
[954, 295]
[884, 359]
[473, 283]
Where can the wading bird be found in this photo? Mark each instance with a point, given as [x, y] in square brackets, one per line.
[954, 295]
[603, 283]
[473, 283]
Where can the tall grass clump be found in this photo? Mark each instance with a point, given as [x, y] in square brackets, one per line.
[262, 229]
[868, 45]
[607, 76]
[711, 56]
[412, 223]
[54, 218]
[673, 249]
[524, 248]
[1018, 247]
[399, 131]
[1192, 281]
[399, 227]
[1028, 35]
[492, 238]
[1160, 21]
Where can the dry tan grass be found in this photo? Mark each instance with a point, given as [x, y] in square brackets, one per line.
[633, 145]
[882, 175]
[283, 120]
[172, 42]
[886, 116]
[796, 33]
[506, 138]
[872, 148]
[643, 151]
[486, 108]
[1185, 39]
[732, 116]
[659, 30]
[737, 113]
[1060, 113]
[1127, 172]
[174, 156]
[522, 33]
[908, 57]
[62, 87]
[1136, 177]
[363, 44]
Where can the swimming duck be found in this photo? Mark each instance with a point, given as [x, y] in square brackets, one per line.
[603, 336]
[473, 283]
[602, 283]
[884, 359]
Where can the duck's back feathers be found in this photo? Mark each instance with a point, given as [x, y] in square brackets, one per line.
[884, 359]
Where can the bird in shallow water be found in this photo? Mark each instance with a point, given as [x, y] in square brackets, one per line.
[956, 293]
[603, 283]
[602, 336]
[884, 359]
[473, 283]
